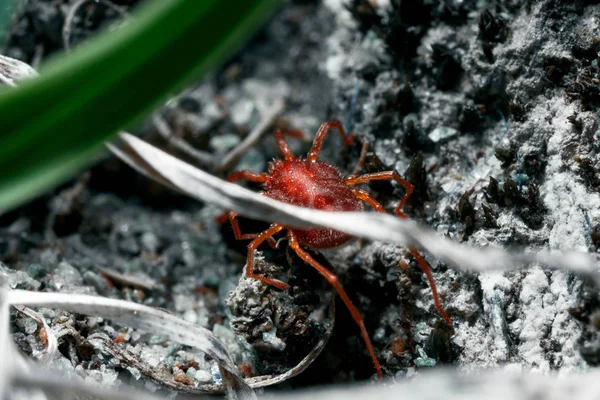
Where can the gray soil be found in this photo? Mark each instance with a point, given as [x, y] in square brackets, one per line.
[487, 108]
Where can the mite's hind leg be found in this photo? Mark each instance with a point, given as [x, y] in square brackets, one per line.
[364, 196]
[333, 280]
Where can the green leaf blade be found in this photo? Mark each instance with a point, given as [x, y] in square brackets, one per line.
[80, 101]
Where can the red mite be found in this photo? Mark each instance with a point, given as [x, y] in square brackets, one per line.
[306, 182]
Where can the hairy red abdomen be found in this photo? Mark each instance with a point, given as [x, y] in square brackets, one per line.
[314, 185]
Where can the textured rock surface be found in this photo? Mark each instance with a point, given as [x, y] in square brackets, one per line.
[488, 109]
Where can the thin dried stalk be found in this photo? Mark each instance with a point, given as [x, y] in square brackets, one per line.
[127, 358]
[66, 32]
[145, 319]
[164, 130]
[198, 184]
[449, 384]
[6, 370]
[253, 137]
[45, 331]
[63, 389]
[143, 282]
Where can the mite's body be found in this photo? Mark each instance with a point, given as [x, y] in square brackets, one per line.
[306, 182]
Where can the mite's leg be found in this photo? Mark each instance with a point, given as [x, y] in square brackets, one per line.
[283, 146]
[238, 233]
[380, 176]
[318, 142]
[364, 196]
[238, 176]
[332, 278]
[265, 235]
[361, 159]
[425, 267]
[248, 175]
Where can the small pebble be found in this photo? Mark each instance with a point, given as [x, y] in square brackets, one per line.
[203, 376]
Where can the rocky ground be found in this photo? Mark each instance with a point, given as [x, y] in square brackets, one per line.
[488, 108]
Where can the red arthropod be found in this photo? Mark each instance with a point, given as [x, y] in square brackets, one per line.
[306, 182]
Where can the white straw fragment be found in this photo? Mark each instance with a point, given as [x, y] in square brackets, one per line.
[145, 319]
[198, 184]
